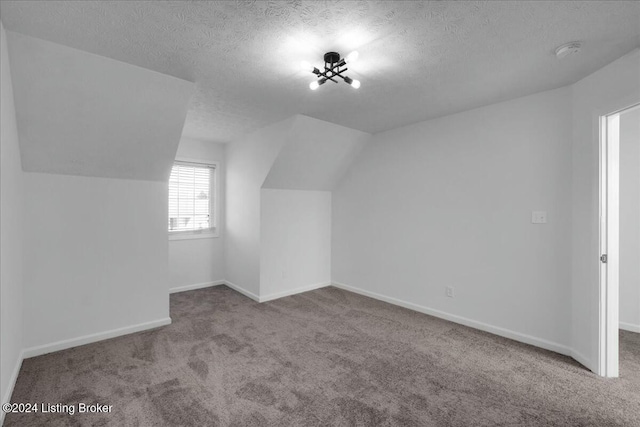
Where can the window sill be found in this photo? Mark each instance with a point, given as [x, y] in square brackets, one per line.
[194, 235]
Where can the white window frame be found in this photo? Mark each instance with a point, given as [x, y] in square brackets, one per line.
[214, 203]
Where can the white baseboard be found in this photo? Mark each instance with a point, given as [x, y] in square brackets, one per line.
[277, 295]
[630, 327]
[12, 383]
[196, 286]
[242, 290]
[87, 339]
[517, 336]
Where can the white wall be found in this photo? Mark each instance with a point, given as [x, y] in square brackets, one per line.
[194, 262]
[613, 87]
[316, 156]
[293, 154]
[448, 202]
[630, 220]
[95, 258]
[248, 160]
[83, 114]
[11, 236]
[295, 241]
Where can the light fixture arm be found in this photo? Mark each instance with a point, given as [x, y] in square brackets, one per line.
[335, 72]
[332, 68]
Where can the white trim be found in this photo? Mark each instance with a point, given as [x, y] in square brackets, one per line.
[630, 327]
[517, 336]
[12, 384]
[607, 363]
[214, 205]
[601, 368]
[211, 233]
[243, 291]
[198, 162]
[613, 246]
[196, 286]
[609, 199]
[87, 339]
[302, 289]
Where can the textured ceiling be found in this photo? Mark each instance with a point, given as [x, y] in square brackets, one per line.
[418, 60]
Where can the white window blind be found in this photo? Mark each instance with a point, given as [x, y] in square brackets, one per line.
[190, 197]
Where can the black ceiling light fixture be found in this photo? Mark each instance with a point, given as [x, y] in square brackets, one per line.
[334, 66]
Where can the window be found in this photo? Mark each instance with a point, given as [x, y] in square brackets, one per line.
[192, 199]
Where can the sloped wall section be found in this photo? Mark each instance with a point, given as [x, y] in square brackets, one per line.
[316, 155]
[83, 114]
[278, 212]
[97, 140]
[248, 160]
[295, 239]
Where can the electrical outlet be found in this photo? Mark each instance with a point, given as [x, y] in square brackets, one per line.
[284, 274]
[450, 293]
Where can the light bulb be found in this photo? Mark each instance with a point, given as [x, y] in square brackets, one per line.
[306, 66]
[352, 57]
[355, 84]
[314, 85]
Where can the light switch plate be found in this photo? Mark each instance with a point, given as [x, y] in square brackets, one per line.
[539, 217]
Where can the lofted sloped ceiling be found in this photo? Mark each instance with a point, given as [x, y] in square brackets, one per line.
[315, 156]
[418, 59]
[83, 114]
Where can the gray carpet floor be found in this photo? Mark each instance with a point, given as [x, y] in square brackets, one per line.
[323, 358]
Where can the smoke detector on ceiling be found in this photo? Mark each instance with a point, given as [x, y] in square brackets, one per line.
[567, 49]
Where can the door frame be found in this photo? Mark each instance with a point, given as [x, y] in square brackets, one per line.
[609, 242]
